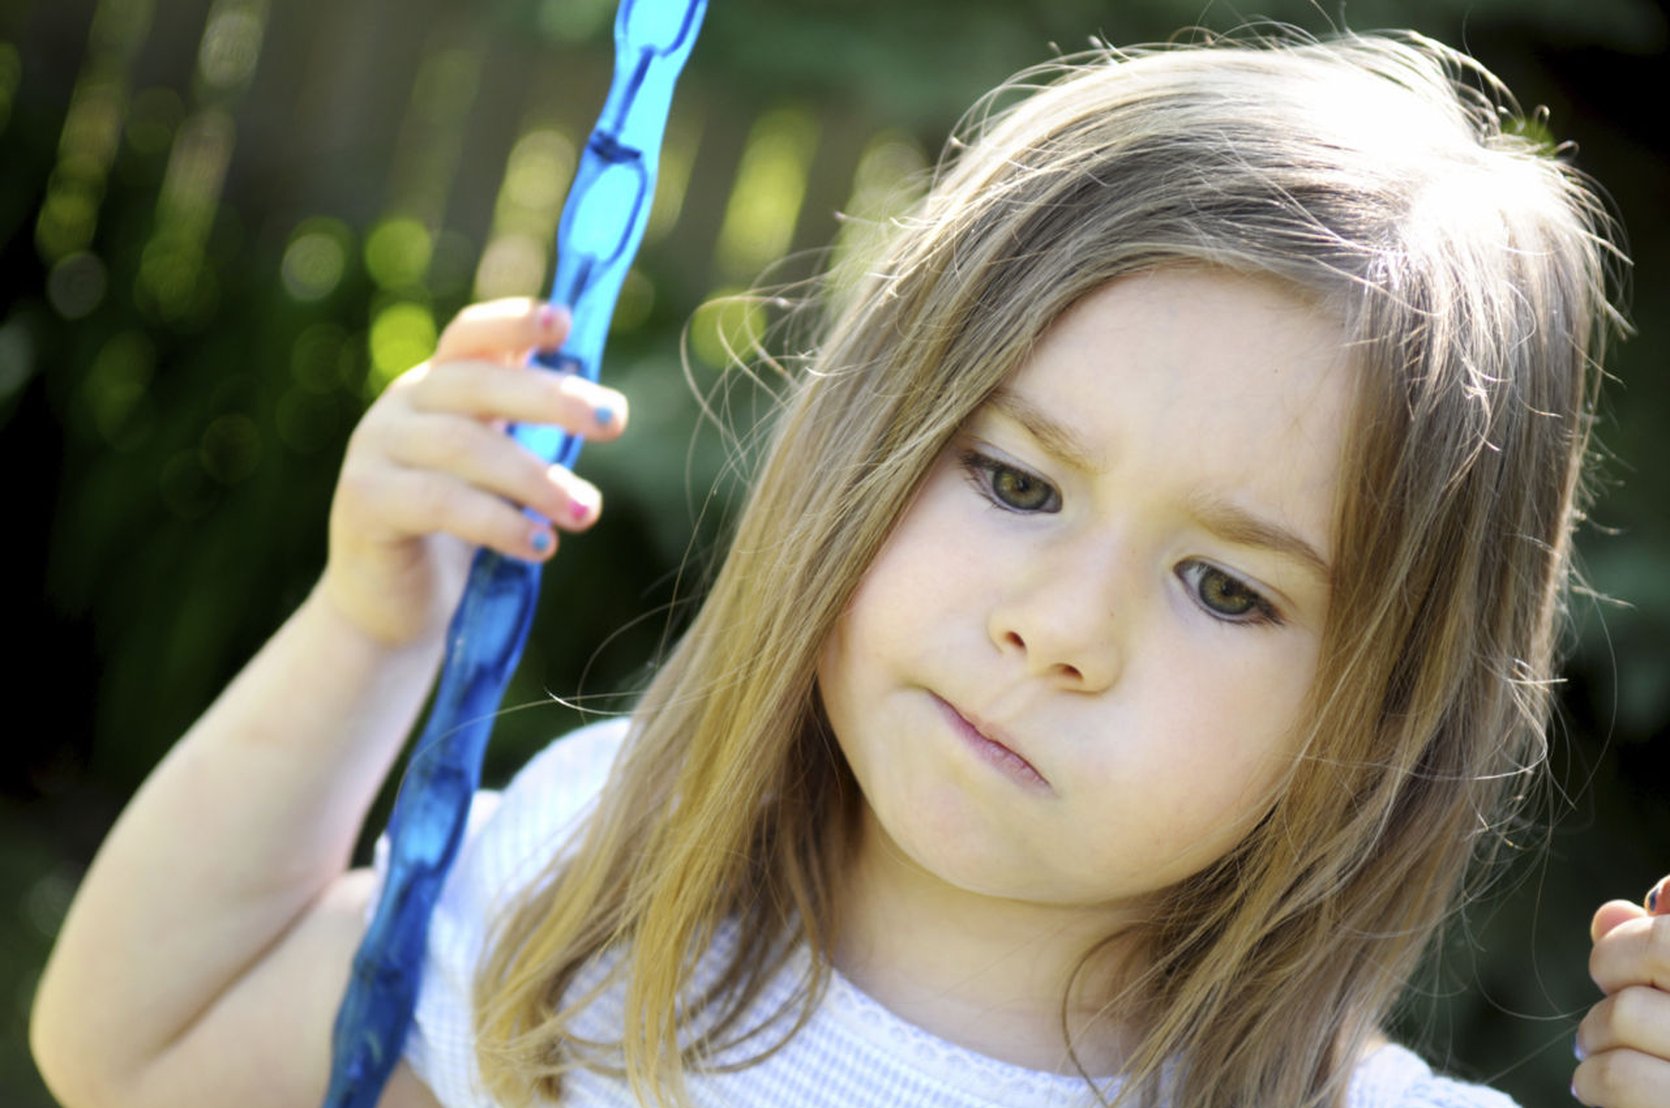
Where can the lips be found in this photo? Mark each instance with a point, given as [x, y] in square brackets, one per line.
[993, 746]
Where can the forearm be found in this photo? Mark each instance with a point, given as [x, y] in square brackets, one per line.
[240, 828]
[214, 914]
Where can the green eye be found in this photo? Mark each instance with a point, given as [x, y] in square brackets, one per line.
[1225, 596]
[1009, 488]
[1021, 491]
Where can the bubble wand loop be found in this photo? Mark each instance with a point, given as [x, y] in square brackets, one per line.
[602, 225]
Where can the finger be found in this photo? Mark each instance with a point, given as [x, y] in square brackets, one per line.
[520, 394]
[1635, 952]
[503, 330]
[1622, 1079]
[1633, 1018]
[418, 502]
[1610, 915]
[480, 456]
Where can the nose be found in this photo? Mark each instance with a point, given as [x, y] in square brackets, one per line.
[1063, 622]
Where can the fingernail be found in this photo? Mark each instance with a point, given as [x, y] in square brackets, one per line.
[1652, 899]
[541, 542]
[547, 317]
[604, 415]
[579, 510]
[1577, 1050]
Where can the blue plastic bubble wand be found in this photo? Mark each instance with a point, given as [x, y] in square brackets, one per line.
[602, 225]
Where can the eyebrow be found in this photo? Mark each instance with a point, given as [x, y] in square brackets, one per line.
[1229, 521]
[1236, 525]
[1051, 433]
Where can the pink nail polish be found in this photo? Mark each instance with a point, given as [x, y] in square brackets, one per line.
[578, 510]
[547, 318]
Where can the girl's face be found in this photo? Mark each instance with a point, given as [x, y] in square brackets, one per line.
[1073, 674]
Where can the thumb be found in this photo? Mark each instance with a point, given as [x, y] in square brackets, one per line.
[1610, 915]
[1614, 912]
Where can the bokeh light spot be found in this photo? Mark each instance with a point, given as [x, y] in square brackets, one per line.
[402, 335]
[891, 174]
[48, 901]
[92, 127]
[727, 328]
[230, 48]
[770, 186]
[174, 283]
[539, 171]
[76, 285]
[67, 216]
[116, 387]
[17, 356]
[397, 252]
[315, 259]
[512, 265]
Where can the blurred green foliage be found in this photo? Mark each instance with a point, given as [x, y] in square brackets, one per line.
[226, 223]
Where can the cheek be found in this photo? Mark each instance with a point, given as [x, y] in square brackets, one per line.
[1218, 748]
[913, 580]
[1245, 734]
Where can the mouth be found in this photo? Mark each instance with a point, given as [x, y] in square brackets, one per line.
[992, 746]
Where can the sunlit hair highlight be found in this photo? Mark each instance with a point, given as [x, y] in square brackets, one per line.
[1395, 184]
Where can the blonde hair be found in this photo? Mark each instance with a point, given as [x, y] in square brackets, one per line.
[1390, 179]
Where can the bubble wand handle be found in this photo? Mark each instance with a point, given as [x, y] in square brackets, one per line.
[602, 225]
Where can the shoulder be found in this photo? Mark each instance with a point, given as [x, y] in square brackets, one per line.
[570, 771]
[512, 835]
[563, 780]
[1393, 1077]
[512, 841]
[518, 833]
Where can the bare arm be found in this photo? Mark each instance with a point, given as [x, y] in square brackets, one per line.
[223, 852]
[204, 954]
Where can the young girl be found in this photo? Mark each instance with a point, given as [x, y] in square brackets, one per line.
[1143, 609]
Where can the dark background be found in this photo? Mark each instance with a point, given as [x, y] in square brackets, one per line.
[223, 225]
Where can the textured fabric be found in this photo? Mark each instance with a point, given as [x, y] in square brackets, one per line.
[853, 1052]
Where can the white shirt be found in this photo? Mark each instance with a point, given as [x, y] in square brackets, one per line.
[852, 1052]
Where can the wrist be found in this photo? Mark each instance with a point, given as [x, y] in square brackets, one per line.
[362, 636]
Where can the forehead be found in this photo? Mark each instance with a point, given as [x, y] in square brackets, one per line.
[1204, 382]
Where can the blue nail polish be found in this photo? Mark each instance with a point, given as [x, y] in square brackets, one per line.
[541, 542]
[1577, 1050]
[604, 415]
[1652, 900]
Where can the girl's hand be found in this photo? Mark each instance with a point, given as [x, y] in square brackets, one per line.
[1624, 1041]
[429, 473]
